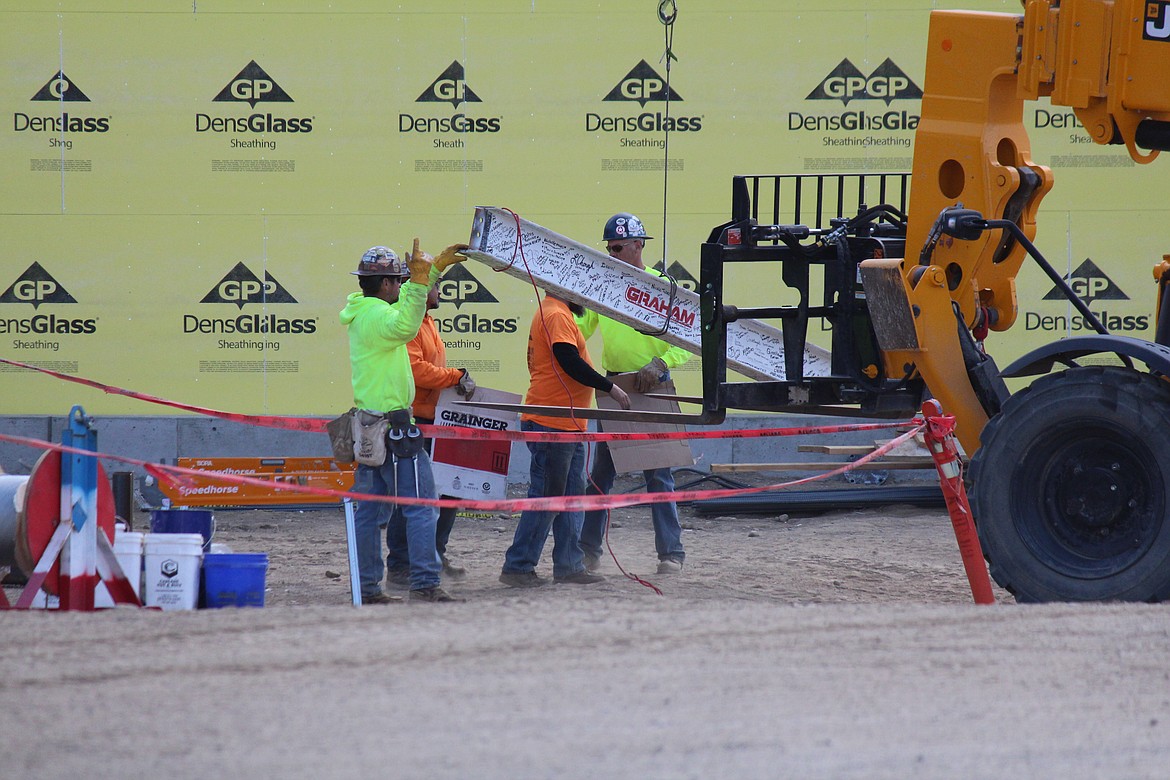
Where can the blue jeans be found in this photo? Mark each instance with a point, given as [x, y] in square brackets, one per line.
[667, 531]
[446, 521]
[557, 470]
[443, 528]
[417, 549]
[396, 536]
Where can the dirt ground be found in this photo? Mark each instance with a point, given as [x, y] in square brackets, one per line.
[834, 645]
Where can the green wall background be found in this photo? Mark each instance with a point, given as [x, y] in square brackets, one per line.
[230, 161]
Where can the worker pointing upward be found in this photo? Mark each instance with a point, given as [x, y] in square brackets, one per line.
[380, 320]
[625, 350]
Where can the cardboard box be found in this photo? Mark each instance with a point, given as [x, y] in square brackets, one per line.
[469, 468]
[645, 455]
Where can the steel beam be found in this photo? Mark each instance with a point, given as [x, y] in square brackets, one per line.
[584, 275]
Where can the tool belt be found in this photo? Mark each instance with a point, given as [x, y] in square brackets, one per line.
[366, 436]
[369, 437]
[403, 437]
[341, 439]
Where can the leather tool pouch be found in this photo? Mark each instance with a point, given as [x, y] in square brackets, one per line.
[403, 438]
[341, 436]
[369, 437]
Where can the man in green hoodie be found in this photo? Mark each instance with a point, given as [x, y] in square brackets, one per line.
[649, 359]
[381, 319]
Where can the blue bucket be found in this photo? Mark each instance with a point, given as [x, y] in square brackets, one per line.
[234, 579]
[184, 521]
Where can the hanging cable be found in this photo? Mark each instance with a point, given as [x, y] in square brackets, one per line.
[667, 13]
[670, 308]
[518, 250]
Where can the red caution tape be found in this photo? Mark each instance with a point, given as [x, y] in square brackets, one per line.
[938, 433]
[453, 432]
[317, 425]
[555, 504]
[309, 424]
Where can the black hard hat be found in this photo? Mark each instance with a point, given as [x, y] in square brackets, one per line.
[624, 225]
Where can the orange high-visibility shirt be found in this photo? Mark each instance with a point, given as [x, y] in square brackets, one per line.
[428, 363]
[550, 385]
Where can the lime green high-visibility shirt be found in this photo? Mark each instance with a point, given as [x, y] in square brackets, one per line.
[378, 334]
[625, 349]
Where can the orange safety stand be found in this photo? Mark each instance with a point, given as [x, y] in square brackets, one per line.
[940, 439]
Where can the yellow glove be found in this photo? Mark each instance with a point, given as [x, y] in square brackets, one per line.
[419, 263]
[449, 257]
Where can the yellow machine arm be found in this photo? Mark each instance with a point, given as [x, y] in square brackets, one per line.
[1109, 61]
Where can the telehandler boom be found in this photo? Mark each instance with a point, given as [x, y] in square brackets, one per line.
[1069, 477]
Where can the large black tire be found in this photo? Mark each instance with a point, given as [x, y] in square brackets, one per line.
[1071, 487]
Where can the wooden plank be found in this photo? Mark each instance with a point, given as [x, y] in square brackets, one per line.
[836, 449]
[911, 449]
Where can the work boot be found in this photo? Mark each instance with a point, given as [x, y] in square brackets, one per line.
[592, 562]
[669, 566]
[398, 578]
[522, 579]
[380, 598]
[431, 594]
[452, 570]
[582, 577]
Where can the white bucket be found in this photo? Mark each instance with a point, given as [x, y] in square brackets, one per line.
[128, 551]
[171, 570]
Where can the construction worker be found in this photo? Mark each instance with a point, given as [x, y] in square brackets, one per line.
[428, 364]
[380, 320]
[625, 350]
[560, 375]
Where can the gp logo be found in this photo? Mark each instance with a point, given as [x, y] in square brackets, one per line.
[241, 287]
[887, 83]
[1090, 283]
[642, 85]
[450, 87]
[459, 286]
[36, 286]
[60, 88]
[252, 85]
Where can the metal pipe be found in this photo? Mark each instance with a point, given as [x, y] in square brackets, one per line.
[12, 499]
